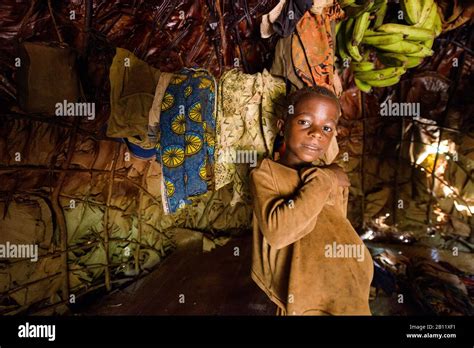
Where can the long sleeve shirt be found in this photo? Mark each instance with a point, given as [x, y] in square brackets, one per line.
[307, 257]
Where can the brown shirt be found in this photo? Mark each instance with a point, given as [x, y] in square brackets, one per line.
[307, 257]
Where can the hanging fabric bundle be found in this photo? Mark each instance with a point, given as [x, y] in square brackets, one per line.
[187, 137]
[312, 47]
[247, 110]
[132, 88]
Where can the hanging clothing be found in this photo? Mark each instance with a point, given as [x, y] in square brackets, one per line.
[187, 137]
[266, 26]
[291, 13]
[312, 47]
[155, 110]
[247, 109]
[299, 222]
[132, 88]
[283, 64]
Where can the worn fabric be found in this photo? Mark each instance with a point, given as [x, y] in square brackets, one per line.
[247, 110]
[155, 110]
[132, 90]
[266, 26]
[297, 215]
[319, 5]
[312, 47]
[289, 16]
[282, 65]
[187, 127]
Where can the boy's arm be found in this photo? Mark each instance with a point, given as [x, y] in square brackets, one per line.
[284, 221]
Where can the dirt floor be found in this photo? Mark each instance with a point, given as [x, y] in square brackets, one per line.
[218, 283]
[213, 283]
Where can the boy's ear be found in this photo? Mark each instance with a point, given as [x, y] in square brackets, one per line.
[281, 126]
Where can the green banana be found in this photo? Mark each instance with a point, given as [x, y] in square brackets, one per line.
[384, 83]
[410, 32]
[380, 14]
[345, 3]
[405, 47]
[424, 52]
[380, 74]
[351, 49]
[364, 87]
[340, 44]
[413, 61]
[411, 10]
[370, 32]
[362, 66]
[430, 20]
[438, 25]
[338, 27]
[355, 10]
[425, 11]
[366, 55]
[393, 59]
[360, 27]
[377, 5]
[382, 39]
[428, 43]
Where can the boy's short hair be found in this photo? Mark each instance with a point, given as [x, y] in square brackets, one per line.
[295, 97]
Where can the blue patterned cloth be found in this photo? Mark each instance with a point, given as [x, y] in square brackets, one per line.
[187, 137]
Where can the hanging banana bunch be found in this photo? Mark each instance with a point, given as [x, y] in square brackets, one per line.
[397, 46]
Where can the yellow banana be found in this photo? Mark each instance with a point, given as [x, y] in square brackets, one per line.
[380, 74]
[411, 10]
[384, 83]
[386, 39]
[364, 87]
[405, 47]
[360, 26]
[410, 32]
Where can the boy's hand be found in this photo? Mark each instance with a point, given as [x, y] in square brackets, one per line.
[342, 177]
[307, 173]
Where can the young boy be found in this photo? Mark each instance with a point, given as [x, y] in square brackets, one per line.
[307, 257]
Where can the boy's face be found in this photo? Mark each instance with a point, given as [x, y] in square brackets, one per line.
[309, 130]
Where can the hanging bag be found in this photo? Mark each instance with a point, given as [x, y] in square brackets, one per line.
[47, 74]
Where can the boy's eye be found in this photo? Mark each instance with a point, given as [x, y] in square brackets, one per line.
[327, 129]
[303, 122]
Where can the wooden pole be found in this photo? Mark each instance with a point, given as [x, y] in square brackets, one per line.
[106, 219]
